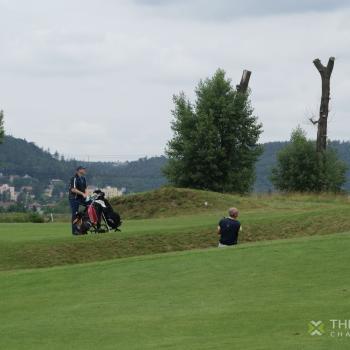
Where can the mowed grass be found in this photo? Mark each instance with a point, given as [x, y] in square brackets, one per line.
[64, 292]
[254, 296]
[263, 218]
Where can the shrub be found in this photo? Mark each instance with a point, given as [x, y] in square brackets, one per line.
[36, 218]
[301, 169]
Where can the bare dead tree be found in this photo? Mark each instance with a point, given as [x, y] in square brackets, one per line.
[322, 122]
[243, 85]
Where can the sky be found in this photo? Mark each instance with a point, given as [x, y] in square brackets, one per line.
[94, 79]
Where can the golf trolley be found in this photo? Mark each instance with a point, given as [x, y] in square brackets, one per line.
[98, 216]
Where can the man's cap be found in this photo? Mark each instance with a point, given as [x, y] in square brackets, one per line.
[81, 168]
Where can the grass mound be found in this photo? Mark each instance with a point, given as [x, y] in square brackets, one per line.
[169, 201]
[258, 296]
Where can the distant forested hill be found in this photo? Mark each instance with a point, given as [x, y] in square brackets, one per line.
[20, 157]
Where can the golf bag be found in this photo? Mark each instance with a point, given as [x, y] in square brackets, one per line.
[109, 216]
[98, 216]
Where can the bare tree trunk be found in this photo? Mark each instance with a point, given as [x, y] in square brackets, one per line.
[243, 85]
[325, 72]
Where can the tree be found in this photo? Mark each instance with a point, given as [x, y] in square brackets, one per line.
[214, 146]
[2, 132]
[300, 168]
[322, 122]
[56, 155]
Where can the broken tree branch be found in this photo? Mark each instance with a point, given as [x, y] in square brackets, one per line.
[243, 85]
[313, 121]
[330, 66]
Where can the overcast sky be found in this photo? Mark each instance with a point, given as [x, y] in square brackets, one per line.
[96, 77]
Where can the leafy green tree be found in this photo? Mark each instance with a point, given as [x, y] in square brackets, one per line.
[301, 169]
[214, 146]
[2, 132]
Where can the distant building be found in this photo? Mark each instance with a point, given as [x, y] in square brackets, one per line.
[27, 188]
[111, 192]
[48, 191]
[56, 181]
[10, 189]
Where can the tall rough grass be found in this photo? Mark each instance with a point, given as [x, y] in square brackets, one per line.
[21, 218]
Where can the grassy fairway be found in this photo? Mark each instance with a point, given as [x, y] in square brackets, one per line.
[43, 245]
[255, 296]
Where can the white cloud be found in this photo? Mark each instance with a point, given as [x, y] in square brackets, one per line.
[109, 69]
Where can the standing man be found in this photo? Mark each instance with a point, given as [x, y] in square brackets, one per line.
[77, 194]
[229, 228]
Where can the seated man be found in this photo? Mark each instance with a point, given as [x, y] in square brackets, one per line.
[229, 228]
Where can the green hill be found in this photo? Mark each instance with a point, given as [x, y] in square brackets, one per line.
[19, 157]
[169, 201]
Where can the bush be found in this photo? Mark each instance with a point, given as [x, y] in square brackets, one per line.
[36, 218]
[301, 169]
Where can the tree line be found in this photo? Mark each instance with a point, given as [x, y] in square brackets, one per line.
[20, 157]
[141, 175]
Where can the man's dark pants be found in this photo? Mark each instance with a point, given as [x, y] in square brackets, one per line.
[74, 205]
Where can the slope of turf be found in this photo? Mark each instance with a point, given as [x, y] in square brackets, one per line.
[256, 296]
[43, 245]
[169, 202]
